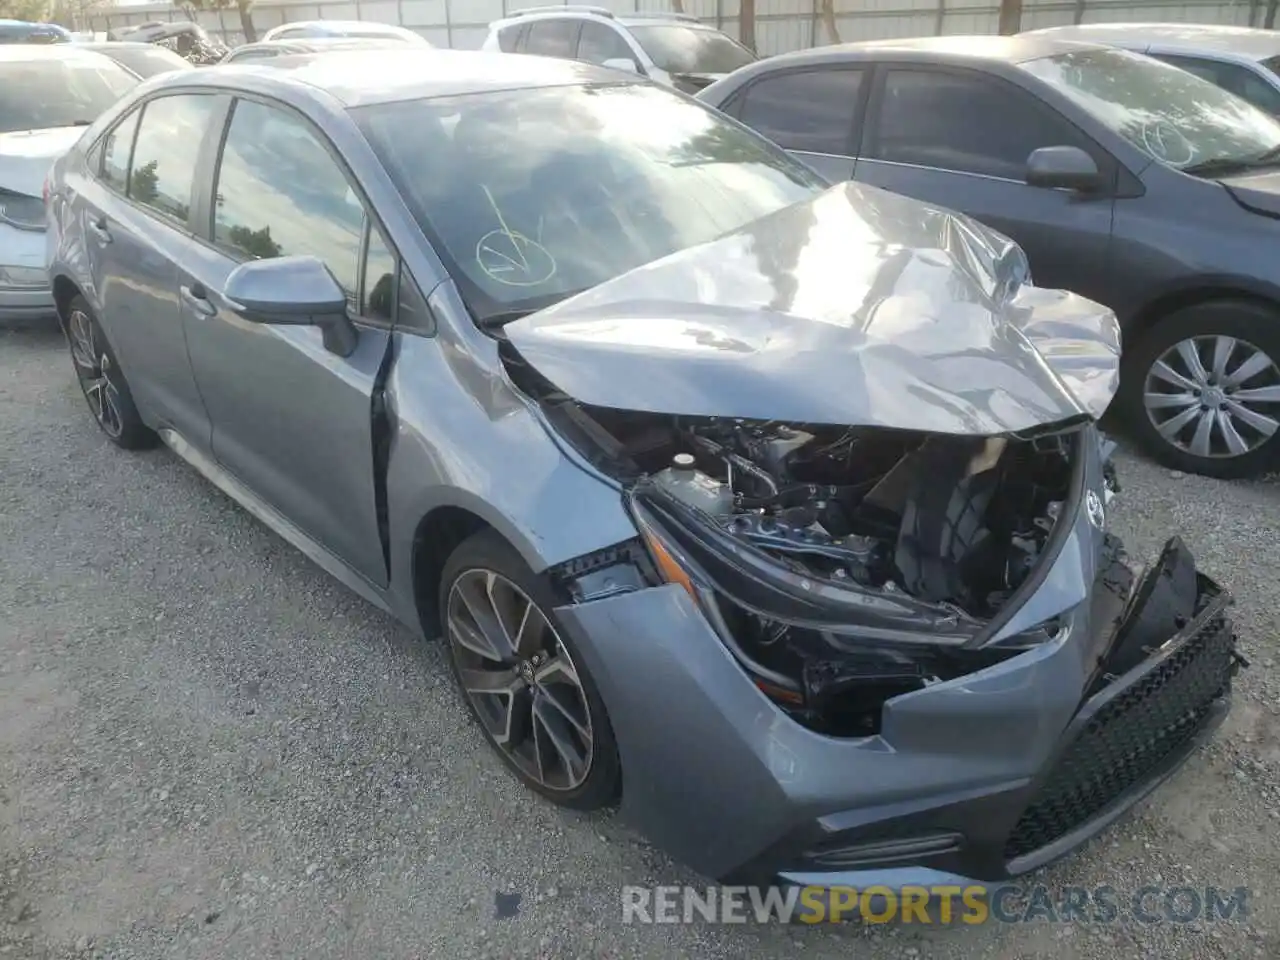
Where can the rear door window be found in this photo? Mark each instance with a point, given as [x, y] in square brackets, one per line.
[553, 38]
[117, 145]
[166, 150]
[810, 111]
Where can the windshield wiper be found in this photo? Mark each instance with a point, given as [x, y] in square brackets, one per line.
[1221, 166]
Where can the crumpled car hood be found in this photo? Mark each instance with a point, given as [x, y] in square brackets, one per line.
[859, 307]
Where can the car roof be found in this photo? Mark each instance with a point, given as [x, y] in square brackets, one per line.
[19, 52]
[1209, 38]
[96, 46]
[359, 77]
[390, 28]
[956, 49]
[314, 44]
[637, 19]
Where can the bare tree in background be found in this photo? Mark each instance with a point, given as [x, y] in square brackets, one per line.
[33, 11]
[677, 6]
[1010, 17]
[829, 20]
[747, 23]
[76, 14]
[243, 7]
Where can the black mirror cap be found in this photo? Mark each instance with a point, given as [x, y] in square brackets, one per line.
[296, 290]
[1064, 167]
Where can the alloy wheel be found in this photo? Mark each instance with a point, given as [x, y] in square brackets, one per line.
[1214, 396]
[94, 371]
[520, 679]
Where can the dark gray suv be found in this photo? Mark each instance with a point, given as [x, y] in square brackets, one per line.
[1130, 181]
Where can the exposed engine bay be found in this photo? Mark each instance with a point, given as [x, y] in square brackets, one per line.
[842, 565]
[947, 520]
[941, 526]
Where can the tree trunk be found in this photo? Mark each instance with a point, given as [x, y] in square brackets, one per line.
[1010, 17]
[829, 19]
[677, 6]
[244, 8]
[747, 24]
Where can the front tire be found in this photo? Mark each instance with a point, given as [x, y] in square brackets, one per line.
[102, 381]
[1201, 389]
[522, 678]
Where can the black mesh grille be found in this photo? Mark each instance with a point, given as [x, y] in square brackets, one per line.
[1130, 738]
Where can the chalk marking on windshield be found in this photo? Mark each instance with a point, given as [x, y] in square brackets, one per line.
[507, 266]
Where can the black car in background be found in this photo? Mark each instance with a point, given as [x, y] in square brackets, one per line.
[1125, 179]
[143, 60]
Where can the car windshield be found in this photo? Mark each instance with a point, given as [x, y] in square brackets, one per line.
[680, 49]
[148, 62]
[1171, 115]
[44, 93]
[532, 195]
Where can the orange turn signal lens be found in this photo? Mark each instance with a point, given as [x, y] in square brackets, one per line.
[668, 568]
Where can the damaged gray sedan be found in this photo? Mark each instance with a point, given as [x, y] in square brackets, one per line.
[776, 511]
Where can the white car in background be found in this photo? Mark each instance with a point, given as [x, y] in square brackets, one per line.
[1243, 60]
[313, 29]
[48, 95]
[674, 49]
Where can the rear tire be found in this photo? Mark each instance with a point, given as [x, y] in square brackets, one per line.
[522, 677]
[1201, 389]
[102, 381]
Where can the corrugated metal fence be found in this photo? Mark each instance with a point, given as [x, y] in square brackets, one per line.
[781, 25]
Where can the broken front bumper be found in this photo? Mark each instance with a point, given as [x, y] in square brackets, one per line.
[975, 779]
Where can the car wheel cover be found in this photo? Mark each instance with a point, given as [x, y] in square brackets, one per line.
[520, 679]
[95, 373]
[1213, 397]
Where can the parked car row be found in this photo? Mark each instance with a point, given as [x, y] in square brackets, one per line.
[805, 561]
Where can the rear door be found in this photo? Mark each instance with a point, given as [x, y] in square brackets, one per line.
[961, 139]
[135, 213]
[812, 113]
[291, 420]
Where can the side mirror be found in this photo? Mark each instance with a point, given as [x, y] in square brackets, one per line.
[299, 291]
[1068, 168]
[621, 63]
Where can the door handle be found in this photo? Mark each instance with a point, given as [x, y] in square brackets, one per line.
[196, 299]
[99, 229]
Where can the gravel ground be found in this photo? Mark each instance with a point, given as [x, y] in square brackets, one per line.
[208, 748]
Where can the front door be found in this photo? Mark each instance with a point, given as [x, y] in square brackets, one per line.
[961, 139]
[811, 113]
[291, 420]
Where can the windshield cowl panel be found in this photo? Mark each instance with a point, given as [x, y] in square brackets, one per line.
[608, 177]
[1172, 116]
